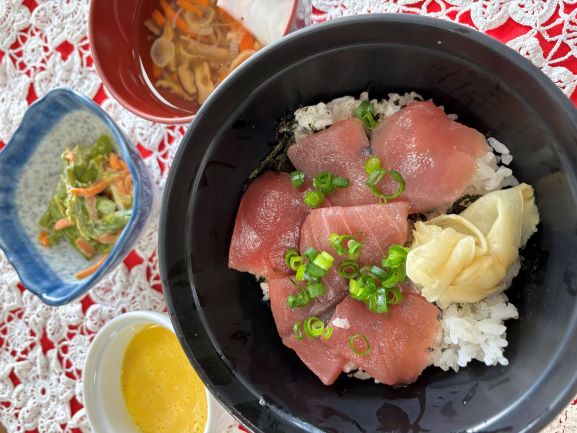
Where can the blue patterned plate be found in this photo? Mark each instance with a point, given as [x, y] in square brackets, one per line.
[30, 165]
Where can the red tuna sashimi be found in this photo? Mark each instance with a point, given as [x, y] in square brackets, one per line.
[268, 222]
[377, 226]
[322, 360]
[285, 317]
[341, 149]
[400, 340]
[435, 155]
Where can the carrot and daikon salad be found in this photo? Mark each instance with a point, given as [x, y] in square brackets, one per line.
[196, 46]
[91, 204]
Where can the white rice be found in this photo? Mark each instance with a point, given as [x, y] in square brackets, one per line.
[469, 332]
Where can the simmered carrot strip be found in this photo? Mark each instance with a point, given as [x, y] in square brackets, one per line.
[122, 187]
[189, 6]
[156, 71]
[203, 2]
[158, 18]
[91, 269]
[95, 188]
[171, 15]
[43, 239]
[85, 247]
[62, 224]
[247, 42]
[114, 161]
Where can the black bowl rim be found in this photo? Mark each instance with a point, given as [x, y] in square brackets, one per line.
[195, 129]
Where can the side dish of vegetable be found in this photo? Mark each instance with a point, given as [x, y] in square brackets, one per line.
[92, 202]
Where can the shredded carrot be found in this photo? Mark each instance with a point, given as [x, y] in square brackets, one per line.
[108, 238]
[93, 189]
[62, 224]
[204, 2]
[158, 18]
[171, 15]
[114, 161]
[91, 269]
[128, 183]
[189, 6]
[43, 239]
[85, 247]
[246, 42]
[122, 187]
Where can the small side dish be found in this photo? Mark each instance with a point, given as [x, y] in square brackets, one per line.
[92, 202]
[388, 246]
[196, 44]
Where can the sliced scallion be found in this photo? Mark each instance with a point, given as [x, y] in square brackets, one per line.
[348, 269]
[372, 164]
[314, 199]
[341, 182]
[297, 331]
[315, 289]
[365, 112]
[323, 182]
[328, 332]
[301, 272]
[324, 261]
[297, 178]
[359, 344]
[314, 327]
[289, 254]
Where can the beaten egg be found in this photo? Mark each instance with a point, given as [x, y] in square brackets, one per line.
[161, 390]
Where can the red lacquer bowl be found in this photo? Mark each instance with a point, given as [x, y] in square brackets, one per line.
[117, 37]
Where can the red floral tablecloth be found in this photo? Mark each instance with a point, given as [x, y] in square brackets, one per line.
[43, 44]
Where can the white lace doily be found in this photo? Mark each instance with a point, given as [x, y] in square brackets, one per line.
[43, 44]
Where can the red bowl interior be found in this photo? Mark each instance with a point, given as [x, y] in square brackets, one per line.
[117, 36]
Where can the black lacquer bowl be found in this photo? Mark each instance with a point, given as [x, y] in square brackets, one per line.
[229, 334]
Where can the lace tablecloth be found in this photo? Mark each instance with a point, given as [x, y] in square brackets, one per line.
[43, 44]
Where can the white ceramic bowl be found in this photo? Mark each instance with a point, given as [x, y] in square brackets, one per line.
[103, 400]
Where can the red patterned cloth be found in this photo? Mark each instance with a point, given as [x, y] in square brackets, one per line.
[43, 44]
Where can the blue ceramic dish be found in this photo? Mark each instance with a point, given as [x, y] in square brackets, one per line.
[30, 165]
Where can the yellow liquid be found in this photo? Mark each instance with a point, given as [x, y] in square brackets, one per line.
[161, 390]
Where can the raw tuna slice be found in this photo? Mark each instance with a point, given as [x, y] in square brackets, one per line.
[341, 149]
[322, 360]
[323, 307]
[435, 155]
[400, 340]
[268, 222]
[377, 226]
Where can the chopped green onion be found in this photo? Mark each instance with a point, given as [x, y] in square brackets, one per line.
[394, 296]
[391, 279]
[314, 327]
[379, 273]
[295, 262]
[324, 261]
[314, 199]
[301, 299]
[341, 182]
[345, 244]
[297, 178]
[378, 301]
[348, 269]
[297, 331]
[310, 253]
[289, 254]
[323, 182]
[353, 248]
[358, 291]
[328, 332]
[313, 272]
[376, 176]
[315, 289]
[396, 256]
[301, 272]
[372, 164]
[359, 344]
[365, 112]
